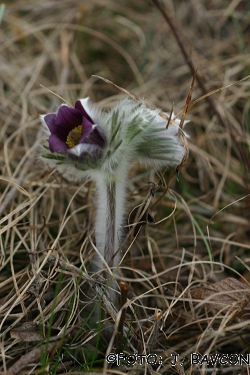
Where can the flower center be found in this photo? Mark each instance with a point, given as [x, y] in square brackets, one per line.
[74, 136]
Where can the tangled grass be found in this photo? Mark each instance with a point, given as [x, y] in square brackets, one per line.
[185, 278]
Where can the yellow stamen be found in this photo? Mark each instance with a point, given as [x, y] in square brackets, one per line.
[74, 136]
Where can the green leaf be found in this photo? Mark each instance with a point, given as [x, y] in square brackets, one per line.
[53, 156]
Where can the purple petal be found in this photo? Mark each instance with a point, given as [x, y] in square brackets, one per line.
[68, 118]
[86, 129]
[79, 107]
[50, 120]
[56, 144]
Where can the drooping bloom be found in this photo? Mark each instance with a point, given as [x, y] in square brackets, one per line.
[73, 131]
[86, 141]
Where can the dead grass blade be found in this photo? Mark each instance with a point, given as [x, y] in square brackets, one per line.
[212, 103]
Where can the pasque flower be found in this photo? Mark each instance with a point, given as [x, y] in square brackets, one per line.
[72, 130]
[86, 141]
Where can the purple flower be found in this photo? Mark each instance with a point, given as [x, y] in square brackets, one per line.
[74, 131]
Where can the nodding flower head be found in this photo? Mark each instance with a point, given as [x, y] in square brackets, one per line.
[88, 140]
[74, 133]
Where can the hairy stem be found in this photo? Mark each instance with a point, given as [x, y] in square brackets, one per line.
[109, 244]
[109, 218]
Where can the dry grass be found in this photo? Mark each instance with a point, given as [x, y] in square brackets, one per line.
[175, 284]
